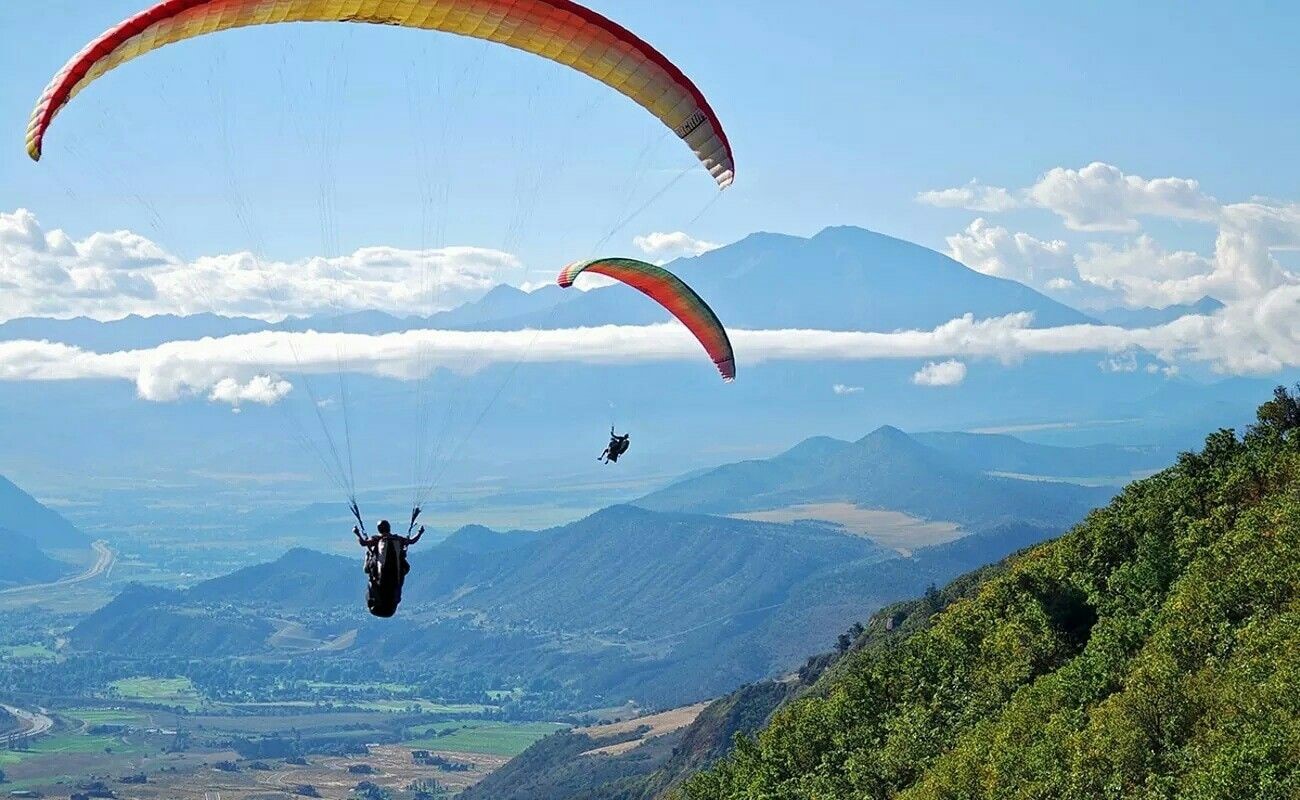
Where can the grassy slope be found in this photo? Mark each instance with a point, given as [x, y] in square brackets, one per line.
[1151, 652]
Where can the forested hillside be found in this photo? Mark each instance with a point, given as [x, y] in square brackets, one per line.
[22, 513]
[571, 765]
[1153, 651]
[22, 561]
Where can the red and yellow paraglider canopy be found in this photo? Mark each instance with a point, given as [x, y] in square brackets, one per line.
[559, 30]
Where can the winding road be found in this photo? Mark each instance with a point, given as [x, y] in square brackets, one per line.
[36, 721]
[103, 563]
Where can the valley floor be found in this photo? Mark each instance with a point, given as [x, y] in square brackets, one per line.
[895, 530]
[143, 752]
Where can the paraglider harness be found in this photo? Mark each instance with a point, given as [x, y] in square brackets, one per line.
[618, 445]
[386, 564]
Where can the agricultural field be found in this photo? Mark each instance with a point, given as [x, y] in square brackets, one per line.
[892, 529]
[163, 691]
[482, 737]
[61, 756]
[27, 652]
[391, 767]
[111, 743]
[127, 718]
[419, 707]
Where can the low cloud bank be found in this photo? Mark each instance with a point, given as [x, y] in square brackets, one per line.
[250, 368]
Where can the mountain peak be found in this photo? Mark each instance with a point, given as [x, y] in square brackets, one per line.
[480, 539]
[766, 236]
[816, 448]
[502, 291]
[847, 231]
[887, 433]
[850, 278]
[888, 442]
[300, 557]
[471, 530]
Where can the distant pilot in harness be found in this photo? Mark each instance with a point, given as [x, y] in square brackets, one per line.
[386, 567]
[618, 445]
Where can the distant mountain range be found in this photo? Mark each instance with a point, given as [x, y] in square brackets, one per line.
[1002, 453]
[846, 279]
[850, 279]
[1150, 317]
[629, 603]
[626, 603]
[129, 333]
[888, 469]
[132, 332]
[843, 278]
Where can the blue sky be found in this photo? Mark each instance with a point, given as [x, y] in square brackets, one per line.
[1106, 153]
[840, 112]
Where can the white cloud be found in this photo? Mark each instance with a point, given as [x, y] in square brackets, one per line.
[1241, 339]
[1101, 197]
[1098, 197]
[994, 250]
[1138, 272]
[1145, 274]
[1241, 269]
[110, 275]
[1249, 234]
[266, 390]
[940, 373]
[842, 389]
[972, 197]
[1125, 362]
[1110, 264]
[667, 246]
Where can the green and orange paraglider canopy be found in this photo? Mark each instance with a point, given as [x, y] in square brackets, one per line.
[672, 293]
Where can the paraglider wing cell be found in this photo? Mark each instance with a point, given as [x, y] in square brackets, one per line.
[670, 292]
[559, 30]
